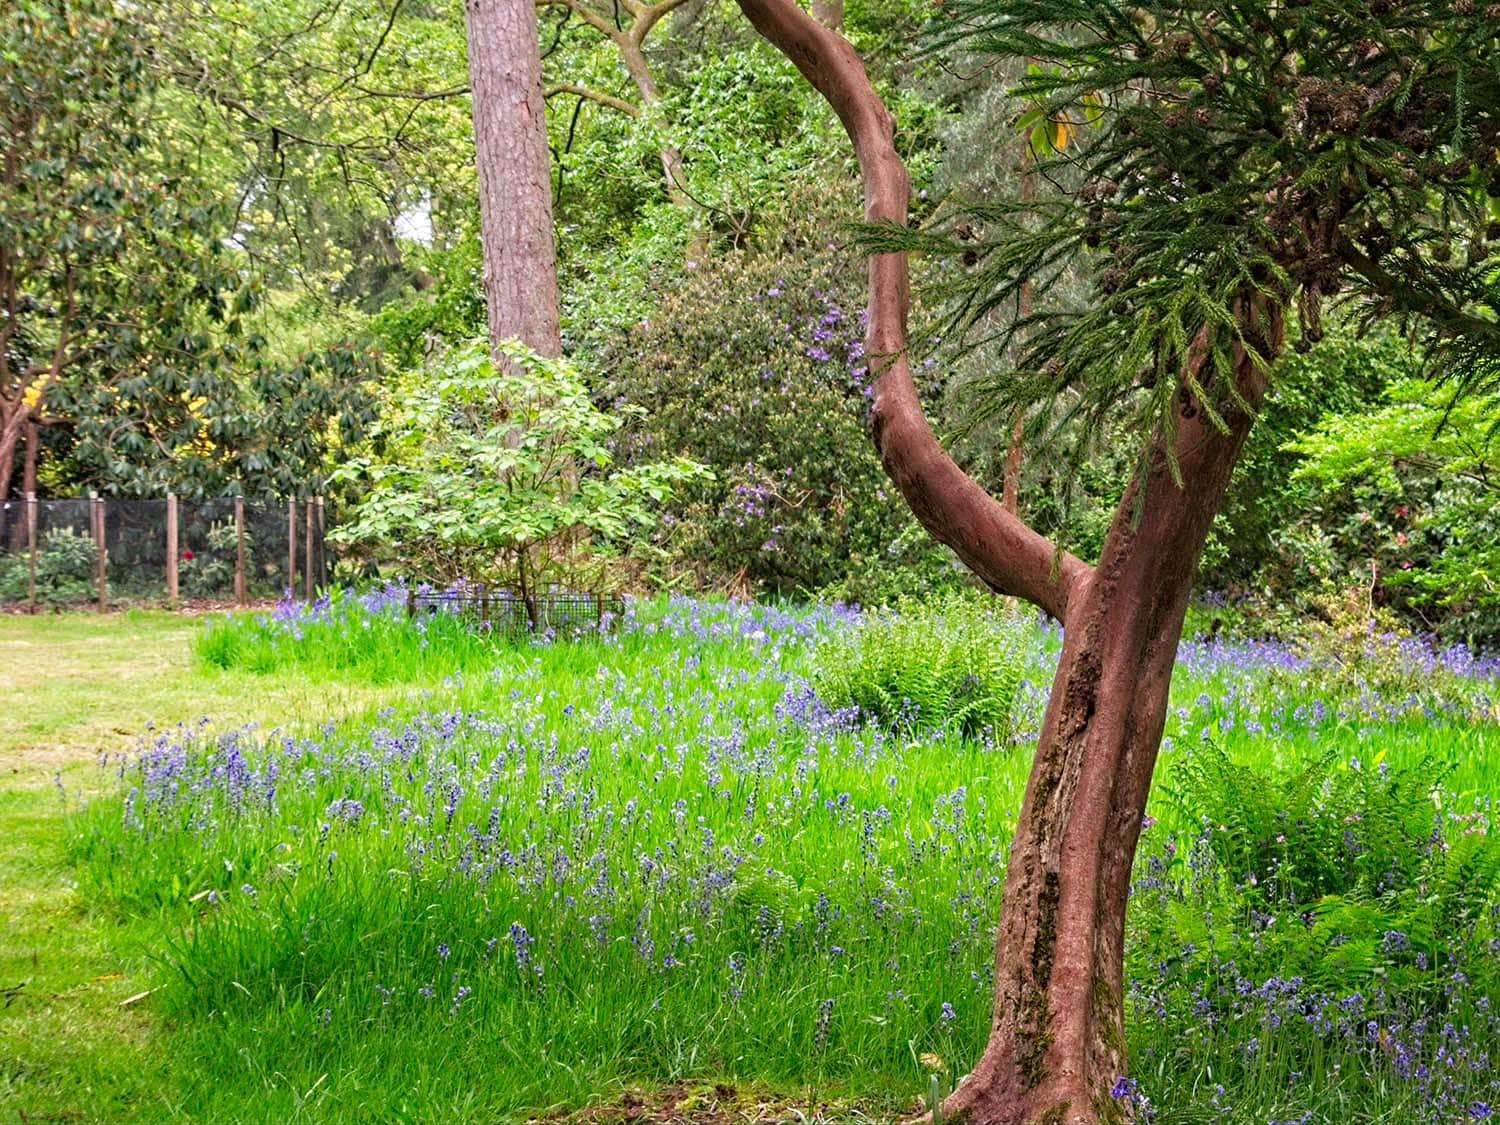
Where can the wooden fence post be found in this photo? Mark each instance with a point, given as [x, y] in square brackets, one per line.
[173, 551]
[31, 549]
[322, 547]
[291, 547]
[96, 507]
[307, 556]
[239, 550]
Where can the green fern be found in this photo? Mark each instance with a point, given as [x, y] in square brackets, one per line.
[954, 664]
[1323, 826]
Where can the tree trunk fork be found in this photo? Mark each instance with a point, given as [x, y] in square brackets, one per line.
[1056, 1046]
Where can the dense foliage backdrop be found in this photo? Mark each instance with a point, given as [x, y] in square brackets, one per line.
[313, 232]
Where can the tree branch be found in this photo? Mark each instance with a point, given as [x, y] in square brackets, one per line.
[200, 85]
[1410, 294]
[587, 15]
[996, 545]
[592, 95]
[414, 95]
[646, 17]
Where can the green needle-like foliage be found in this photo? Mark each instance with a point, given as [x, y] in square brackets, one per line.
[1207, 156]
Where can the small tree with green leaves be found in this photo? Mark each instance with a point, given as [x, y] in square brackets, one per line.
[1249, 162]
[503, 475]
[1428, 466]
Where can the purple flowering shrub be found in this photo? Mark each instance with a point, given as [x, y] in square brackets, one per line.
[754, 364]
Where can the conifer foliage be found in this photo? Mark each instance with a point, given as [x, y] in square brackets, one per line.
[1313, 152]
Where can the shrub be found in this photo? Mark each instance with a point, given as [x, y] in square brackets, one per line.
[954, 663]
[754, 364]
[211, 570]
[502, 475]
[65, 563]
[1355, 648]
[1418, 479]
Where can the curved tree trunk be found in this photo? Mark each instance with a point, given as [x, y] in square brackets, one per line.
[1056, 1041]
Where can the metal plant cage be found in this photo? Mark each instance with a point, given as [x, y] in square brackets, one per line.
[215, 550]
[569, 613]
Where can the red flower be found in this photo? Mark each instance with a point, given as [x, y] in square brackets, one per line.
[187, 556]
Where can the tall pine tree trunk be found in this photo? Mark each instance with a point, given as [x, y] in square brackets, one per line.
[515, 174]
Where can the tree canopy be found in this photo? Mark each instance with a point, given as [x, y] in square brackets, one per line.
[1316, 155]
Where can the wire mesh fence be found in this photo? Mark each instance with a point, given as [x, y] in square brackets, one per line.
[562, 614]
[67, 553]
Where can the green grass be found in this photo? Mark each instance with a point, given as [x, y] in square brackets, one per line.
[77, 685]
[844, 864]
[67, 1050]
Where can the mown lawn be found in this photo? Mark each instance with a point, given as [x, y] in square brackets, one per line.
[74, 686]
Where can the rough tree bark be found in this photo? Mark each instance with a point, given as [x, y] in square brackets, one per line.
[18, 429]
[1056, 1041]
[515, 174]
[10, 438]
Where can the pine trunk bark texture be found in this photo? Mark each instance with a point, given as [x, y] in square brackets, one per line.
[515, 174]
